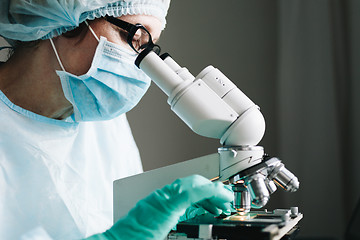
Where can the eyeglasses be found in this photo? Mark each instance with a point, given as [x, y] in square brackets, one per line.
[138, 36]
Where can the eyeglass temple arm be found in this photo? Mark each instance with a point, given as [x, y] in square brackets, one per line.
[122, 24]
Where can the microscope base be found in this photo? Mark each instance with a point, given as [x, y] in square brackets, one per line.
[254, 225]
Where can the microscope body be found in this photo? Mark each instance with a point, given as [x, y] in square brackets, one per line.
[212, 106]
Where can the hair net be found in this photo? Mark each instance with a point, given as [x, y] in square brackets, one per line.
[28, 20]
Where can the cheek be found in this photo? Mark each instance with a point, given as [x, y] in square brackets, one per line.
[82, 57]
[115, 37]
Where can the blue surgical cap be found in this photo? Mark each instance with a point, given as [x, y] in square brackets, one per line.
[28, 20]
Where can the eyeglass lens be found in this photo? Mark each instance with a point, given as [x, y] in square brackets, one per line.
[138, 37]
[140, 40]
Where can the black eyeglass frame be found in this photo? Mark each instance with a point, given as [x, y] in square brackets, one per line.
[131, 29]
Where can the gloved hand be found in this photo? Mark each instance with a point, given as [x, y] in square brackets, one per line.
[199, 209]
[210, 207]
[154, 216]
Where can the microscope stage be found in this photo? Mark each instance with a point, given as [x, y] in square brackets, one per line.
[253, 225]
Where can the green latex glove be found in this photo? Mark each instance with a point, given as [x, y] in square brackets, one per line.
[154, 216]
[199, 208]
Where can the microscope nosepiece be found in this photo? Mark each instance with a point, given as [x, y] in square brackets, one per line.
[253, 186]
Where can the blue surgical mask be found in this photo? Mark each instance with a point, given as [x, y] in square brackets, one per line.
[112, 86]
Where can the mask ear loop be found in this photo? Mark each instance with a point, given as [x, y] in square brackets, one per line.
[57, 55]
[92, 31]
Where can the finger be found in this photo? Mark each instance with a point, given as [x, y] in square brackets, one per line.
[215, 207]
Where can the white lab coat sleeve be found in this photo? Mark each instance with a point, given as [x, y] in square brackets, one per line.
[36, 234]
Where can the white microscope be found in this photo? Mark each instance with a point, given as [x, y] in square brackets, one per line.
[212, 106]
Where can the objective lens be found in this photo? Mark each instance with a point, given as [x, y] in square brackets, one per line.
[242, 200]
[285, 179]
[258, 190]
[270, 185]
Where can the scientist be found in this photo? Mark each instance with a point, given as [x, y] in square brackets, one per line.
[64, 137]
